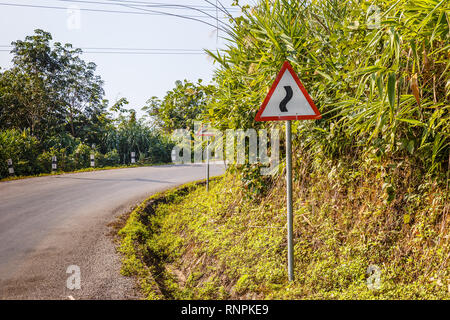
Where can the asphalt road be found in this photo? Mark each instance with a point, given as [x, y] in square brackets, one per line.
[50, 223]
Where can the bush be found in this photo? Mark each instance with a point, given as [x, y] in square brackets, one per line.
[159, 149]
[64, 162]
[22, 148]
[82, 155]
[381, 89]
[111, 158]
[60, 141]
[31, 157]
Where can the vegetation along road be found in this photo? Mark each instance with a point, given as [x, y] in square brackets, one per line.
[48, 224]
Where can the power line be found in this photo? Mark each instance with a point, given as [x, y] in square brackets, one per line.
[142, 11]
[149, 53]
[151, 4]
[135, 52]
[162, 3]
[128, 50]
[128, 4]
[125, 48]
[146, 53]
[222, 9]
[178, 16]
[146, 11]
[152, 13]
[143, 49]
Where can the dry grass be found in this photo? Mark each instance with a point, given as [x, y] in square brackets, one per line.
[228, 244]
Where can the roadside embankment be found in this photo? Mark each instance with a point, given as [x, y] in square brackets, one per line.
[356, 237]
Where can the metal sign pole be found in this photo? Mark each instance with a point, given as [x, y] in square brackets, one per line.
[207, 164]
[290, 242]
[294, 103]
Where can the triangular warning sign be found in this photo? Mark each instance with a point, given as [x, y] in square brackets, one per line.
[287, 99]
[203, 131]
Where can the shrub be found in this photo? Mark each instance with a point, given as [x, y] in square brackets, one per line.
[22, 148]
[64, 162]
[111, 158]
[81, 156]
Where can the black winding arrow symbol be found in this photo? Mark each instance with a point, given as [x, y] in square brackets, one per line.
[286, 99]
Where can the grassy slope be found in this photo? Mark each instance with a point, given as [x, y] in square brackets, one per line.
[223, 244]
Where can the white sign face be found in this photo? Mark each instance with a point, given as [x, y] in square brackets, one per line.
[204, 132]
[54, 166]
[297, 105]
[92, 157]
[54, 158]
[9, 162]
[287, 99]
[133, 154]
[132, 160]
[11, 170]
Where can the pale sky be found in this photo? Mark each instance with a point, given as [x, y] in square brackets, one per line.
[134, 76]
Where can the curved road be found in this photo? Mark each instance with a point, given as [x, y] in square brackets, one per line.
[50, 223]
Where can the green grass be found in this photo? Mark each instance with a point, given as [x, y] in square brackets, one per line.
[370, 178]
[133, 235]
[230, 244]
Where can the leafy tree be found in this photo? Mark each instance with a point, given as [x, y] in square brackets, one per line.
[51, 104]
[181, 106]
[22, 148]
[49, 88]
[33, 80]
[134, 135]
[80, 89]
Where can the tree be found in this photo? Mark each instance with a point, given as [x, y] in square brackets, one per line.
[49, 88]
[181, 106]
[80, 89]
[51, 103]
[33, 78]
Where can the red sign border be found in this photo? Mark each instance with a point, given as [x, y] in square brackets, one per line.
[287, 65]
[200, 133]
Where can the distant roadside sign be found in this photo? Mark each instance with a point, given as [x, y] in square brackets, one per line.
[203, 132]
